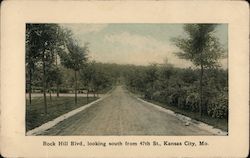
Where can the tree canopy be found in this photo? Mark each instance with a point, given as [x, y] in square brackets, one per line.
[200, 46]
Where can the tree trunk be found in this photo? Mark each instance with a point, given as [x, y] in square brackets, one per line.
[75, 88]
[30, 84]
[57, 90]
[57, 85]
[44, 85]
[201, 90]
[87, 96]
[50, 94]
[30, 78]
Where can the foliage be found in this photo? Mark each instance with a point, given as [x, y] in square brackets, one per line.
[163, 83]
[97, 76]
[202, 48]
[76, 55]
[180, 87]
[41, 42]
[74, 58]
[54, 76]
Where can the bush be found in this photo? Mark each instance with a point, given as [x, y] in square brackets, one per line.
[192, 101]
[180, 88]
[218, 108]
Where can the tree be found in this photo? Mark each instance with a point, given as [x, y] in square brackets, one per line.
[164, 72]
[100, 79]
[54, 77]
[32, 54]
[58, 50]
[43, 39]
[202, 48]
[86, 76]
[150, 78]
[75, 58]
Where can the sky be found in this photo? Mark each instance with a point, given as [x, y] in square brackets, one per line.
[138, 44]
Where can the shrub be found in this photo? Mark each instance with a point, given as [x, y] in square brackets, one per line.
[218, 107]
[192, 101]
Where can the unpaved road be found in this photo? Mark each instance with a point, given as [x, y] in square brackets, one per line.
[122, 114]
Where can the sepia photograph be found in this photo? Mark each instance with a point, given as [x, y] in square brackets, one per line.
[126, 79]
[105, 79]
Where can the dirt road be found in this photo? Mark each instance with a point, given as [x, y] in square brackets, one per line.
[122, 114]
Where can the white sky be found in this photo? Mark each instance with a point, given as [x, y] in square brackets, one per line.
[139, 44]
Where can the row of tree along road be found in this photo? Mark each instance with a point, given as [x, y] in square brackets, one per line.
[55, 61]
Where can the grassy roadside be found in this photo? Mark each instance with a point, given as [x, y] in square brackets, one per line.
[57, 106]
[218, 123]
[215, 122]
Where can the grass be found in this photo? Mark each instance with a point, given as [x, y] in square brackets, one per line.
[35, 115]
[216, 122]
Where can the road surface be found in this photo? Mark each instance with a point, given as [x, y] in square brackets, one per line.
[122, 114]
